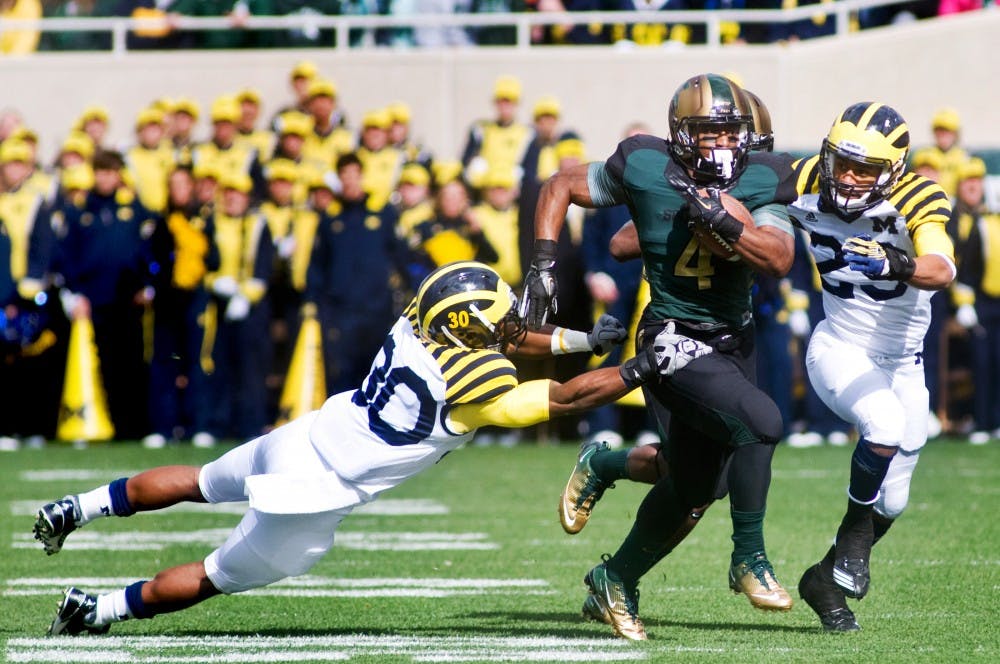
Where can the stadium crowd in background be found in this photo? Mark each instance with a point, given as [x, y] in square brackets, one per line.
[196, 257]
[164, 31]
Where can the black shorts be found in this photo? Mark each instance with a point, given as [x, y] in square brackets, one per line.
[709, 408]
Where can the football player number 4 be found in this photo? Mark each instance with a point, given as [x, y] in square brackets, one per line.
[695, 261]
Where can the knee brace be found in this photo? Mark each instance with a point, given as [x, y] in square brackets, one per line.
[895, 492]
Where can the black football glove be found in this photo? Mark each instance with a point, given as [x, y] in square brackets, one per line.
[708, 211]
[877, 260]
[539, 298]
[607, 332]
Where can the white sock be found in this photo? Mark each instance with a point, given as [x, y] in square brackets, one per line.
[95, 504]
[111, 608]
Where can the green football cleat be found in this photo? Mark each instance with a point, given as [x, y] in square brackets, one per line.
[611, 601]
[582, 491]
[593, 611]
[755, 579]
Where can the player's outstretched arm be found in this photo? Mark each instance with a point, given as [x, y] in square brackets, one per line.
[551, 340]
[588, 390]
[536, 401]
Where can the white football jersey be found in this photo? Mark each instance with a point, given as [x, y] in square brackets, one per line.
[396, 424]
[885, 317]
[888, 318]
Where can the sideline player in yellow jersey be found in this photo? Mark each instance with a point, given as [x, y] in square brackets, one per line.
[878, 236]
[442, 372]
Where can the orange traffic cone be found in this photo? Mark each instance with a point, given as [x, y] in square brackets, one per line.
[83, 415]
[305, 384]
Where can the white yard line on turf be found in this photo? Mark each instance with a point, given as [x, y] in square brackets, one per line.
[150, 540]
[383, 507]
[69, 474]
[308, 586]
[244, 648]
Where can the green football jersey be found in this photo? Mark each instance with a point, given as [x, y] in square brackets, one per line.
[686, 281]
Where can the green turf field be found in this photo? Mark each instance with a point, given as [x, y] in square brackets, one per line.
[468, 563]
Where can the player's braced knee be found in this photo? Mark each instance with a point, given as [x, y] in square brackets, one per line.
[893, 500]
[895, 493]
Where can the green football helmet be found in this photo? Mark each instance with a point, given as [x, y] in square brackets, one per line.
[704, 108]
[762, 139]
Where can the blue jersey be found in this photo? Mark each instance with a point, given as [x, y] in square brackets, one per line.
[105, 252]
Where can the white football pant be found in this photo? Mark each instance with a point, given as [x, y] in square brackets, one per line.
[265, 548]
[885, 398]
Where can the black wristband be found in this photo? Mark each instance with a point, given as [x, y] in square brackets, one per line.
[638, 370]
[901, 266]
[728, 227]
[544, 254]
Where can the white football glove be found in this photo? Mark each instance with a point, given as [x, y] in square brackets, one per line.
[675, 351]
[238, 308]
[225, 286]
[966, 316]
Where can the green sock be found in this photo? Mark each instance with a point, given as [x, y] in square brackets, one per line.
[748, 534]
[610, 465]
[659, 517]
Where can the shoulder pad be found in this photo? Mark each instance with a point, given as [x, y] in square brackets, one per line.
[645, 142]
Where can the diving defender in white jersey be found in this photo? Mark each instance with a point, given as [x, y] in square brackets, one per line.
[442, 372]
[879, 240]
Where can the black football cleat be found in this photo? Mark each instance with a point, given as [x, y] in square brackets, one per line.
[852, 552]
[70, 620]
[55, 521]
[827, 599]
[853, 576]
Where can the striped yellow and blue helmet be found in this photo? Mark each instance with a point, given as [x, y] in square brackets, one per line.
[466, 304]
[869, 138]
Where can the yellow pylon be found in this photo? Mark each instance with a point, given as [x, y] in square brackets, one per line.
[305, 383]
[635, 398]
[83, 414]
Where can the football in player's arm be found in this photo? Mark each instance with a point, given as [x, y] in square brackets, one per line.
[878, 237]
[442, 372]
